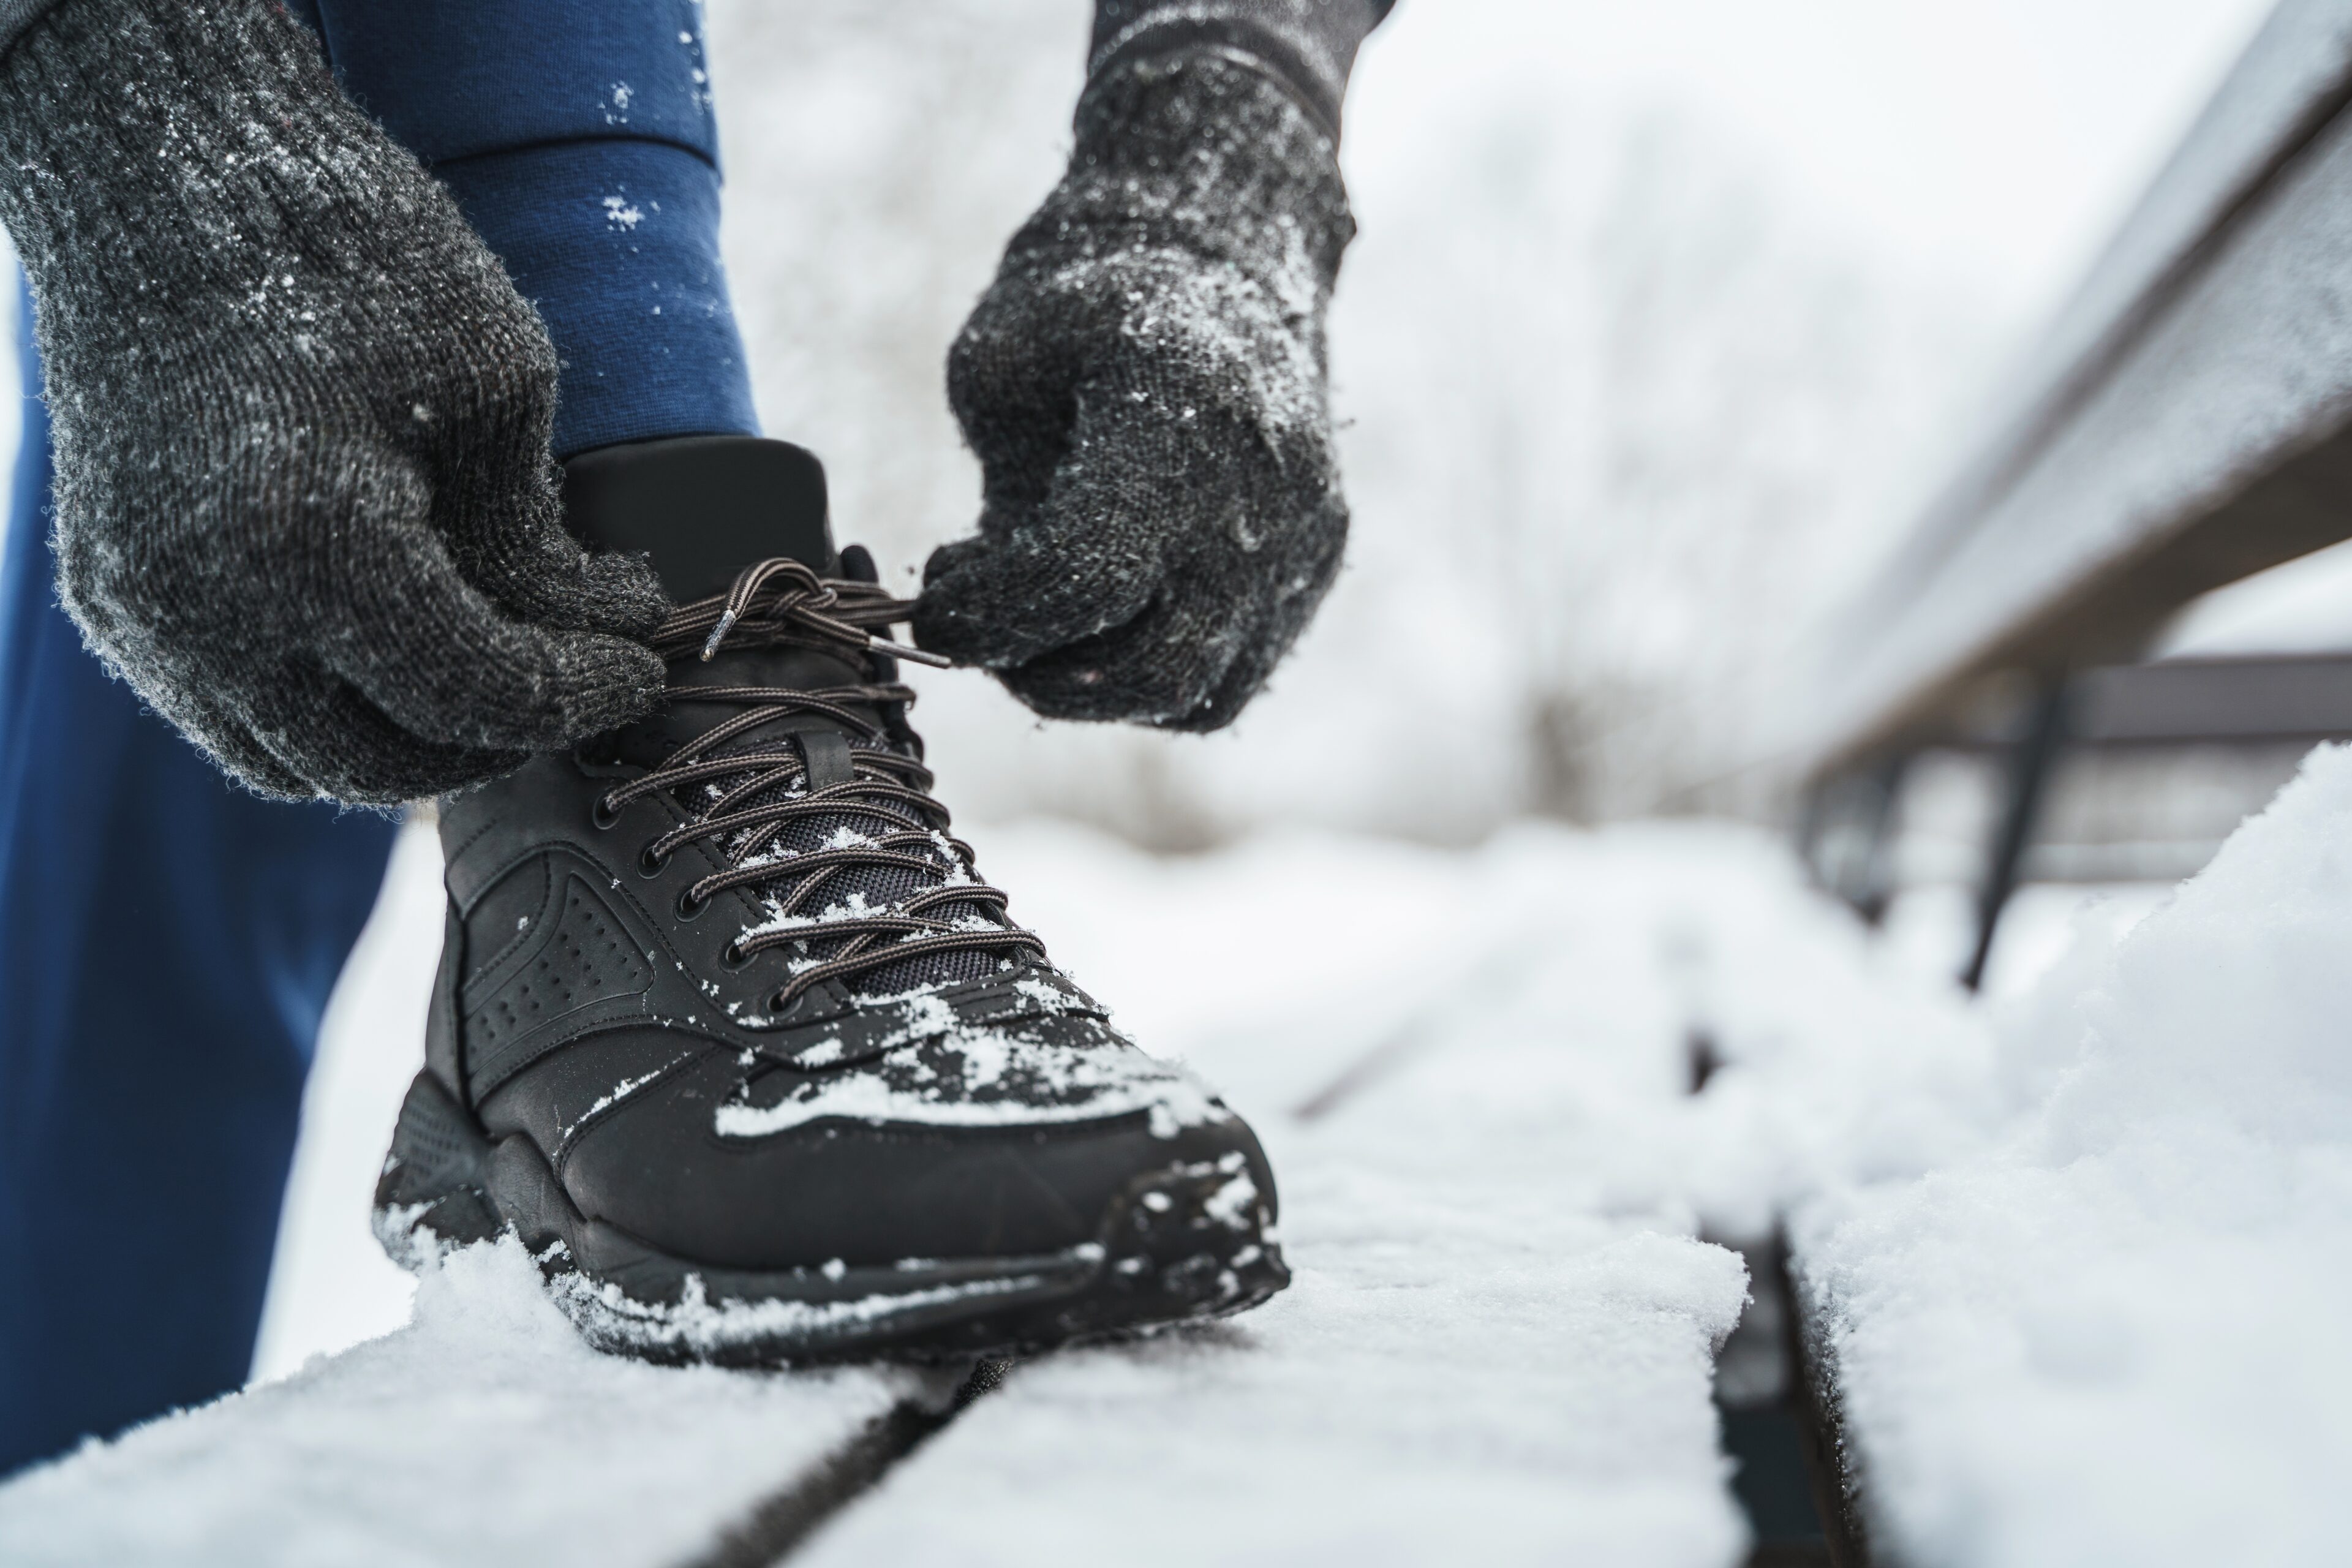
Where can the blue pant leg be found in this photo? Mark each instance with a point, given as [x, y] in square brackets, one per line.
[167, 943]
[579, 138]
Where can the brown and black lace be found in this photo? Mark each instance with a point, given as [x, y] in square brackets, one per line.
[938, 907]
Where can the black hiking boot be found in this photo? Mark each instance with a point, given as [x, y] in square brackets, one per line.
[730, 1032]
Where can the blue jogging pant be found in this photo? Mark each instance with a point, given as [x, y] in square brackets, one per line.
[167, 941]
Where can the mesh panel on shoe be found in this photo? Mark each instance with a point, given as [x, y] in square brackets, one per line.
[879, 885]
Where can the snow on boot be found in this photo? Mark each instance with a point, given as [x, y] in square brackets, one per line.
[730, 1033]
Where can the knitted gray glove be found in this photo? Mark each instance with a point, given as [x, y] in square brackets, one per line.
[305, 502]
[1144, 383]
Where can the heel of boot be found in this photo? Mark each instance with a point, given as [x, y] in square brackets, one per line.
[433, 1194]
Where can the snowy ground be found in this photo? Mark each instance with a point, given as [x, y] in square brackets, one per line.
[2083, 1252]
[2114, 1333]
[1501, 1304]
[485, 1433]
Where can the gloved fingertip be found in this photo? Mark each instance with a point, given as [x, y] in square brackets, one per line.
[1223, 702]
[605, 682]
[255, 770]
[950, 619]
[952, 559]
[558, 582]
[623, 594]
[1091, 691]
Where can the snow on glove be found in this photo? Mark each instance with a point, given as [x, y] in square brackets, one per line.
[1144, 383]
[305, 501]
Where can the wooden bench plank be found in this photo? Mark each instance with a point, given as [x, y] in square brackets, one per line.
[485, 1433]
[2299, 697]
[2233, 700]
[2113, 1332]
[1483, 1354]
[1501, 1329]
[1458, 1363]
[2291, 79]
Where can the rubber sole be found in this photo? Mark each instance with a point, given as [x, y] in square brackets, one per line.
[1184, 1241]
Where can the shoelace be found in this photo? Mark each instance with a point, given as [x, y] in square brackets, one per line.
[883, 817]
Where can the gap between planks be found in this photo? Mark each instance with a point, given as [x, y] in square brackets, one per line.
[784, 1520]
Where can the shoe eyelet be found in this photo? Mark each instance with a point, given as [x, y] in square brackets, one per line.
[689, 907]
[650, 864]
[603, 814]
[733, 956]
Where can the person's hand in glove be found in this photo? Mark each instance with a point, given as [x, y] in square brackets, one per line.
[305, 501]
[1145, 385]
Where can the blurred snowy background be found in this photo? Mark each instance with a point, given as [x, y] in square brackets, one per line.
[1661, 319]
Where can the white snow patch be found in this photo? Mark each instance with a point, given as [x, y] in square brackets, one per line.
[2114, 1333]
[613, 1096]
[2086, 1256]
[707, 1327]
[1234, 1204]
[1055, 1083]
[485, 1433]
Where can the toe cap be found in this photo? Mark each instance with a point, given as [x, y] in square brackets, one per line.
[876, 1190]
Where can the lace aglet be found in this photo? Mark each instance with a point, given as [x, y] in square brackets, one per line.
[718, 633]
[874, 644]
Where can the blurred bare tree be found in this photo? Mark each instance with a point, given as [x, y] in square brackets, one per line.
[1621, 417]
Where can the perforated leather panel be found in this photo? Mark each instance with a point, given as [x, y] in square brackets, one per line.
[588, 957]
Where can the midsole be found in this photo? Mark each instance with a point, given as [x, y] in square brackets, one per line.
[636, 1291]
[625, 1294]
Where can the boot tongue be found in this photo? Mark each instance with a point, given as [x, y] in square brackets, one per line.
[702, 507]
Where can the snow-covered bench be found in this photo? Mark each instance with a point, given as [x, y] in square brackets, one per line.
[2074, 1278]
[2186, 421]
[1499, 1345]
[2096, 1337]
[2111, 1332]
